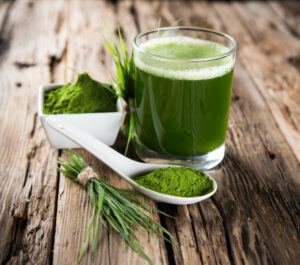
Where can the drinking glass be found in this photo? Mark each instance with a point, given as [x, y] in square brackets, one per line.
[182, 95]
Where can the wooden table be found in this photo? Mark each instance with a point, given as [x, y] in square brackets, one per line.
[254, 217]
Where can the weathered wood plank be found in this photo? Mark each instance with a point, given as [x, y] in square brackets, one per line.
[28, 163]
[73, 204]
[201, 235]
[257, 61]
[275, 170]
[289, 14]
[85, 52]
[281, 91]
[256, 208]
[153, 245]
[186, 253]
[5, 34]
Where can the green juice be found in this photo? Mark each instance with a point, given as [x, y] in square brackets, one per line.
[182, 106]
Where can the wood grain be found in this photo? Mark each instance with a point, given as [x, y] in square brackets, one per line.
[246, 232]
[281, 92]
[255, 215]
[28, 163]
[84, 28]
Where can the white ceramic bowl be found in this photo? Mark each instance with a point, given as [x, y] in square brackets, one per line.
[104, 126]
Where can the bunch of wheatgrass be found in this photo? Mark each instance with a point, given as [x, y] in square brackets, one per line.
[124, 82]
[124, 64]
[119, 208]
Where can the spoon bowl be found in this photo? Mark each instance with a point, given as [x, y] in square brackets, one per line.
[125, 167]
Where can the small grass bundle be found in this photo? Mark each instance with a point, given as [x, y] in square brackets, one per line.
[124, 82]
[119, 208]
[124, 64]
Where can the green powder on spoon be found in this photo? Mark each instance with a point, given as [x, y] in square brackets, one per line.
[177, 181]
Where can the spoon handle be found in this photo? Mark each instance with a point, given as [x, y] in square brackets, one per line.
[119, 163]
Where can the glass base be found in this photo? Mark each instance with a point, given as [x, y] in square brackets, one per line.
[203, 162]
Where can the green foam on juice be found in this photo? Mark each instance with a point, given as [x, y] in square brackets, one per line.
[184, 48]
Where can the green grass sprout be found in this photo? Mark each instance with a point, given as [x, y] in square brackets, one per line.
[124, 80]
[124, 65]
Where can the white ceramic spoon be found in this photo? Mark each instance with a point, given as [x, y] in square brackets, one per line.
[125, 167]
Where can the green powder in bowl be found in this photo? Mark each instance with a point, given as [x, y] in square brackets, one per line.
[177, 181]
[85, 95]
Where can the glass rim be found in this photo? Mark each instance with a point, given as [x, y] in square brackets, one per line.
[213, 58]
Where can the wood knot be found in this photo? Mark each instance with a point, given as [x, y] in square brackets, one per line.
[294, 61]
[19, 211]
[18, 84]
[236, 98]
[30, 5]
[23, 65]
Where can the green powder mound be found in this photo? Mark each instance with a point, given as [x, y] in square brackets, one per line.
[181, 181]
[84, 96]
